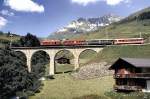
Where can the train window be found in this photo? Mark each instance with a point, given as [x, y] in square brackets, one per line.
[121, 40]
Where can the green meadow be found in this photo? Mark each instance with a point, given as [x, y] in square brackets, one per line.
[65, 87]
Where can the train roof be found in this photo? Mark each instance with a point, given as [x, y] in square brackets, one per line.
[128, 38]
[48, 40]
[101, 39]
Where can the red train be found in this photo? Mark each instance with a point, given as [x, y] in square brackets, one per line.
[73, 42]
[129, 41]
[93, 42]
[50, 42]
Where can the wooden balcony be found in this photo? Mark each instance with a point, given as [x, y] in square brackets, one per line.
[135, 75]
[127, 88]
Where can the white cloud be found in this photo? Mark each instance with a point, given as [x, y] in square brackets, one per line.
[7, 13]
[84, 2]
[24, 5]
[116, 2]
[3, 22]
[108, 2]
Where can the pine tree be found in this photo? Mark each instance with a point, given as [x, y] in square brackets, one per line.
[14, 76]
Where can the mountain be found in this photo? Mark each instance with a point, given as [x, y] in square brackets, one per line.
[84, 25]
[140, 15]
[131, 26]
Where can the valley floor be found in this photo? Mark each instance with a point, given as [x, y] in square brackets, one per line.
[65, 87]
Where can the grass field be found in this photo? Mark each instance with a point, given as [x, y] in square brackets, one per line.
[65, 87]
[4, 40]
[5, 37]
[62, 68]
[112, 53]
[86, 57]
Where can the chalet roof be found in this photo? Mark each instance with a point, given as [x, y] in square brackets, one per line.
[61, 58]
[136, 62]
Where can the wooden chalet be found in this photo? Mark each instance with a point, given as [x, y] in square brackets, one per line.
[132, 74]
[63, 60]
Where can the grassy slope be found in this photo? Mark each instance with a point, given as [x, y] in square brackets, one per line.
[7, 39]
[86, 56]
[110, 54]
[63, 36]
[65, 87]
[129, 29]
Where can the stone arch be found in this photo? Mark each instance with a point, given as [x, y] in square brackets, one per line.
[35, 51]
[93, 51]
[89, 49]
[70, 57]
[24, 59]
[22, 52]
[45, 58]
[17, 51]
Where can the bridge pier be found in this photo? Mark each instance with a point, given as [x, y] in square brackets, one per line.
[29, 64]
[52, 62]
[76, 54]
[52, 66]
[28, 54]
[76, 62]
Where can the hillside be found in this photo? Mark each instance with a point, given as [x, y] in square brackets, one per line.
[5, 38]
[110, 53]
[128, 27]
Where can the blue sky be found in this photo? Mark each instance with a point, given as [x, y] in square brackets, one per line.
[42, 17]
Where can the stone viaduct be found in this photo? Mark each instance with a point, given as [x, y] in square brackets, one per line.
[53, 50]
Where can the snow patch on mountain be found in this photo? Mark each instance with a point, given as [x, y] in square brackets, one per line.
[83, 25]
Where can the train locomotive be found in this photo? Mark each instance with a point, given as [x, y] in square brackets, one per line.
[120, 41]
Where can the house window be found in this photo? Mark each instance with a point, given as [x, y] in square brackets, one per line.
[121, 82]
